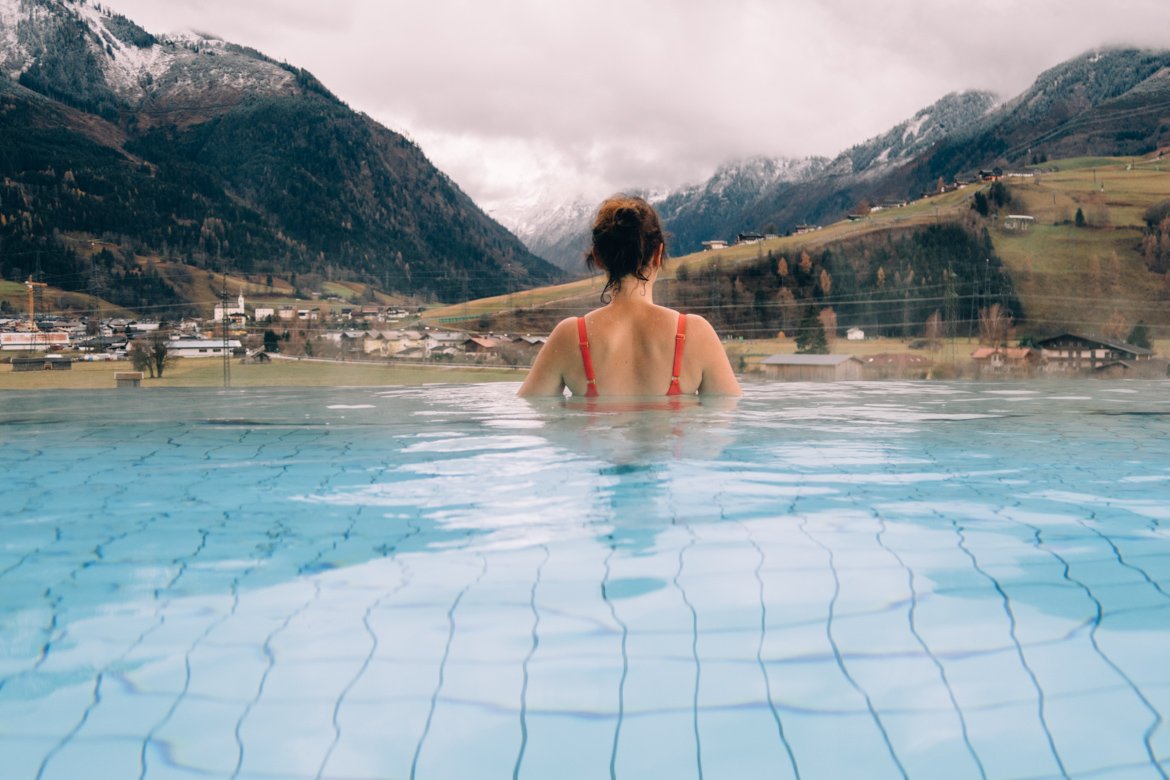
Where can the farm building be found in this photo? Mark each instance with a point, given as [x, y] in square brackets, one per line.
[1074, 352]
[812, 368]
[1006, 357]
[187, 348]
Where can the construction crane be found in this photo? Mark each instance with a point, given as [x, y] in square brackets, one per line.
[32, 286]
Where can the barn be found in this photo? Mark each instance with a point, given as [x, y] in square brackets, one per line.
[812, 368]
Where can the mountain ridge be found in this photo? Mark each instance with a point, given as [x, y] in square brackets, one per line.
[1112, 101]
[195, 149]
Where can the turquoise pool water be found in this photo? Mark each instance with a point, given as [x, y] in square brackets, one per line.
[873, 580]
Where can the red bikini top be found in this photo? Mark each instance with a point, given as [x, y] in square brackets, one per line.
[679, 338]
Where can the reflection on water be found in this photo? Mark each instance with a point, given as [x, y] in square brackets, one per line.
[878, 579]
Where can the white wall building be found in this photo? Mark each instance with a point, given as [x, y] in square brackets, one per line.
[197, 348]
[220, 310]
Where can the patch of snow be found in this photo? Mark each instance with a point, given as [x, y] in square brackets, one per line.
[915, 126]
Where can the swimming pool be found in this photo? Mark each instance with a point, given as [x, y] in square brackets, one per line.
[848, 580]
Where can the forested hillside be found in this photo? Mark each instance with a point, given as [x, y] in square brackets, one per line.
[214, 156]
[889, 283]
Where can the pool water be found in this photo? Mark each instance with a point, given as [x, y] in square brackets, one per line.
[875, 580]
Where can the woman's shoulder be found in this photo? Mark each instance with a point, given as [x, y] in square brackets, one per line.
[697, 325]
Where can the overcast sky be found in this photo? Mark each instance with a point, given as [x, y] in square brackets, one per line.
[545, 100]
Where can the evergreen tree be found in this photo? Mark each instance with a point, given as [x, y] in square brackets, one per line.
[810, 335]
[980, 204]
[1139, 336]
[1080, 218]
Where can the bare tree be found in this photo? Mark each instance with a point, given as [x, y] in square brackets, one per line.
[994, 325]
[934, 329]
[789, 309]
[159, 352]
[828, 319]
[139, 354]
[1116, 327]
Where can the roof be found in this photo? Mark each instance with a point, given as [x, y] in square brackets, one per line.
[807, 360]
[1121, 346]
[201, 343]
[1011, 353]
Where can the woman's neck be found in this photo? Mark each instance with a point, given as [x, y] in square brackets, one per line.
[634, 292]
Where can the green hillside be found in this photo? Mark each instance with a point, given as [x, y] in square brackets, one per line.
[1094, 278]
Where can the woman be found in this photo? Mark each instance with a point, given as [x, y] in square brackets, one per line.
[631, 346]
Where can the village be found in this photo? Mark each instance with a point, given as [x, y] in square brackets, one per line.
[382, 334]
[255, 334]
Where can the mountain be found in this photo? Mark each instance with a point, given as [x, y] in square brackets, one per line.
[1111, 102]
[194, 149]
[559, 234]
[739, 195]
[1108, 102]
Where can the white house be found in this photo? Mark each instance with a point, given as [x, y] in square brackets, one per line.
[186, 348]
[855, 334]
[221, 310]
[262, 313]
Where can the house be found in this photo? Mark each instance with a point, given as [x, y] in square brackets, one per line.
[803, 228]
[393, 343]
[714, 244]
[33, 340]
[442, 342]
[812, 368]
[28, 364]
[481, 345]
[263, 313]
[224, 309]
[749, 238]
[286, 313]
[855, 334]
[1021, 222]
[1077, 352]
[188, 348]
[1006, 358]
[256, 357]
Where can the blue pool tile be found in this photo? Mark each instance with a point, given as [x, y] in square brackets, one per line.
[569, 746]
[197, 735]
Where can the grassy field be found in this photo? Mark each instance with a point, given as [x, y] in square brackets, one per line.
[1080, 278]
[193, 372]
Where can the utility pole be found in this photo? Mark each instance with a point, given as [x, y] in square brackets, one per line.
[33, 330]
[223, 326]
[32, 286]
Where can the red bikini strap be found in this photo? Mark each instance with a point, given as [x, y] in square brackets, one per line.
[679, 340]
[586, 358]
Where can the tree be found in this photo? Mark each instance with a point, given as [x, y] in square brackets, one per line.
[1139, 336]
[139, 354]
[788, 308]
[828, 320]
[999, 195]
[979, 203]
[934, 329]
[994, 325]
[159, 351]
[1079, 220]
[810, 336]
[1116, 327]
[271, 341]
